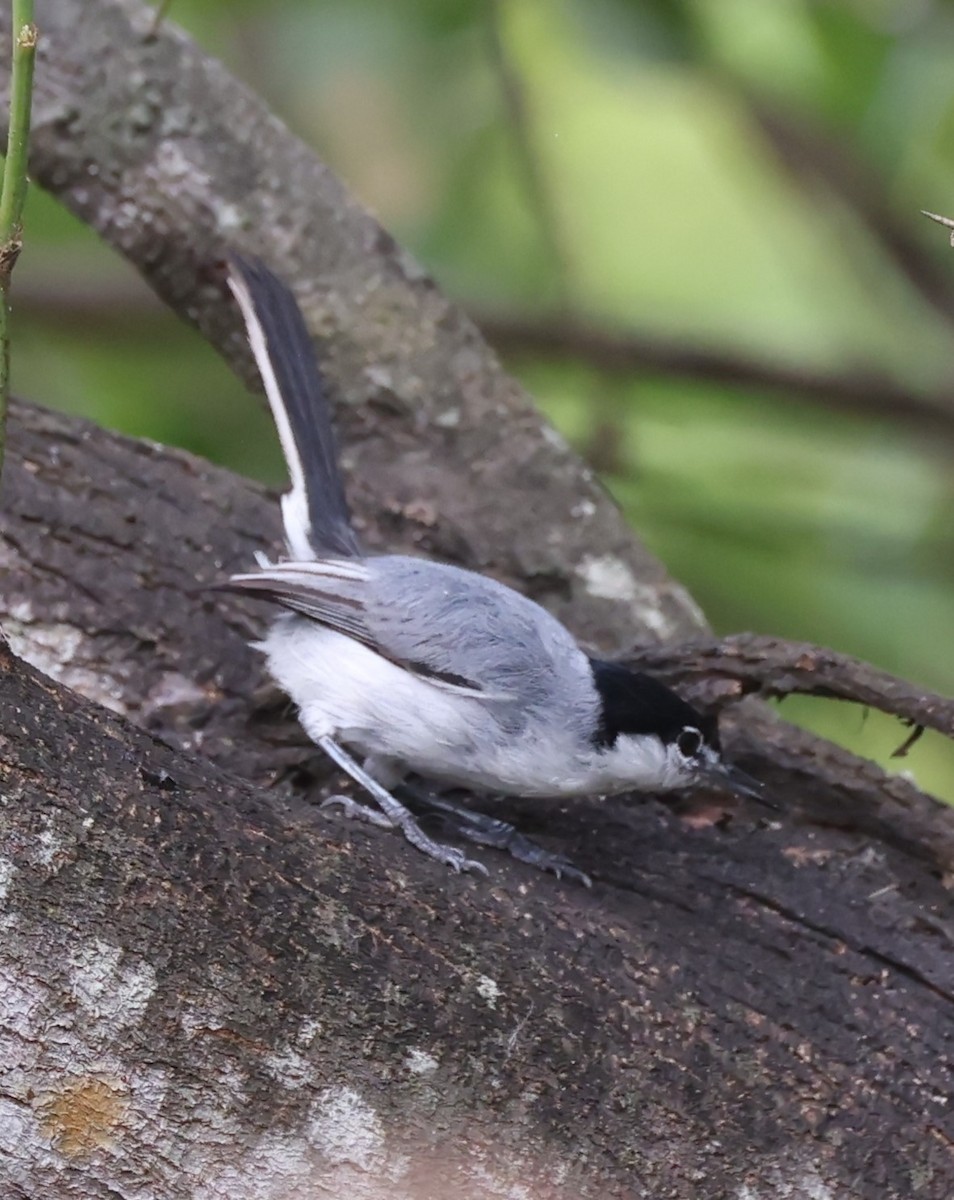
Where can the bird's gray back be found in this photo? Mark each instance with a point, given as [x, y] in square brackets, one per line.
[454, 622]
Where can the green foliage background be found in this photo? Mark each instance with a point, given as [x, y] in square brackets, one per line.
[741, 176]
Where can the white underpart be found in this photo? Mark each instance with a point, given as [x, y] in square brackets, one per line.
[345, 689]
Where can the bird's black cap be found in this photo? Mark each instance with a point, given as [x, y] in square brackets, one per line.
[637, 703]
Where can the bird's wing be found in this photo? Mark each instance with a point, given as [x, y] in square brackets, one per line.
[352, 597]
[323, 590]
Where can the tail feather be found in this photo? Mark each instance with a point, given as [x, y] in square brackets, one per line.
[315, 511]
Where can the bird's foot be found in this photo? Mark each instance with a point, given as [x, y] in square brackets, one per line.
[485, 830]
[355, 811]
[401, 819]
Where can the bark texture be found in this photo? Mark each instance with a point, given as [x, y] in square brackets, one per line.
[209, 990]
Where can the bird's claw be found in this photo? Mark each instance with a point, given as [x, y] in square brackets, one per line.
[354, 811]
[450, 856]
[458, 861]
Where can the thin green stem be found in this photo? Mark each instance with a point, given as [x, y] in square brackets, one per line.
[13, 189]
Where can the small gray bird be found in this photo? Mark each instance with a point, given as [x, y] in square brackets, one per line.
[421, 667]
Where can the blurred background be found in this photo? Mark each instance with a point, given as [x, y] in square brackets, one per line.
[692, 229]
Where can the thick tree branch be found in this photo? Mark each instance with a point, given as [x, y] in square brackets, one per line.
[214, 957]
[107, 546]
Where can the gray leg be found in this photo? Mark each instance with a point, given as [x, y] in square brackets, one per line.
[393, 813]
[484, 830]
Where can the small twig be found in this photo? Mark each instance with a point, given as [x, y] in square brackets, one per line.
[909, 741]
[14, 187]
[714, 673]
[812, 156]
[947, 222]
[160, 14]
[623, 353]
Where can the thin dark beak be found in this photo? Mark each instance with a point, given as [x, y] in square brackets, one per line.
[730, 778]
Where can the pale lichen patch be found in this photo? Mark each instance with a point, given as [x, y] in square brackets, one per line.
[172, 690]
[19, 1135]
[289, 1068]
[7, 872]
[108, 989]
[517, 1177]
[309, 1030]
[346, 1129]
[609, 578]
[22, 1000]
[800, 1183]
[52, 848]
[419, 1062]
[814, 1187]
[488, 990]
[60, 651]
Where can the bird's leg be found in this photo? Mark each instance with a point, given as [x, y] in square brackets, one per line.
[485, 830]
[393, 814]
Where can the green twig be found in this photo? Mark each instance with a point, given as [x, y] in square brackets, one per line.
[13, 190]
[161, 9]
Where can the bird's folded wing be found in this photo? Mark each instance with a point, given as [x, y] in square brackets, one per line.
[339, 595]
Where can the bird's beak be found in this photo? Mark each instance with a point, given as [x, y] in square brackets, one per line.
[730, 778]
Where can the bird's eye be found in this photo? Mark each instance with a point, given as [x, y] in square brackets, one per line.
[689, 742]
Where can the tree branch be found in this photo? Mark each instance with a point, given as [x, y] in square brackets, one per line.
[527, 151]
[633, 353]
[812, 156]
[272, 962]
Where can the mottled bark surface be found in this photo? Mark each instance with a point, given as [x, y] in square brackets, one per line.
[208, 989]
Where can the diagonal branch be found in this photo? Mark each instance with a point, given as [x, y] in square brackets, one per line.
[428, 402]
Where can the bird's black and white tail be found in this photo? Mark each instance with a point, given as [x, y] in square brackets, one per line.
[315, 512]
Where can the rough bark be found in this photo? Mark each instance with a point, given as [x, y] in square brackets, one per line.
[246, 999]
[207, 989]
[209, 992]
